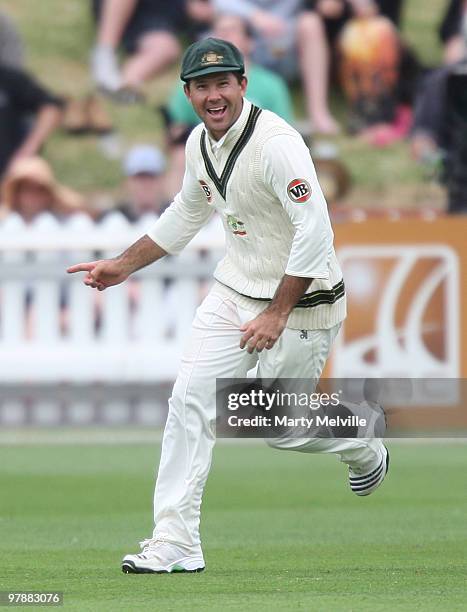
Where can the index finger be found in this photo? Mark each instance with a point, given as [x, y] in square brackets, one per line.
[246, 336]
[82, 267]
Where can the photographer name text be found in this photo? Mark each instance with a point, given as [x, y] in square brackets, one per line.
[286, 421]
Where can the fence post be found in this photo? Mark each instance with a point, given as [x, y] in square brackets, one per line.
[46, 292]
[115, 303]
[80, 297]
[12, 300]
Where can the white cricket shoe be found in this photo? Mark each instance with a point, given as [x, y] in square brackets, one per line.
[160, 557]
[365, 484]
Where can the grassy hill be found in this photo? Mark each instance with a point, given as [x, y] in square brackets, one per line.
[59, 35]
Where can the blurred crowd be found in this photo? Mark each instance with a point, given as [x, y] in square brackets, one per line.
[353, 47]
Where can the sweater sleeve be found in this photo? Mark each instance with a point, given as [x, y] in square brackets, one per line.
[183, 219]
[289, 172]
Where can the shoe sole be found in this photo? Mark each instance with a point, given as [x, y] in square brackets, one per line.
[128, 567]
[363, 493]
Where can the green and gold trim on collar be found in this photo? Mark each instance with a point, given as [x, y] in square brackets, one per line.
[221, 182]
[315, 298]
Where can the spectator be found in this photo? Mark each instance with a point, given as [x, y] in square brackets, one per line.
[292, 43]
[456, 149]
[370, 64]
[335, 15]
[299, 43]
[200, 15]
[147, 32]
[144, 168]
[11, 45]
[144, 193]
[439, 134]
[30, 189]
[430, 134]
[265, 89]
[450, 31]
[28, 115]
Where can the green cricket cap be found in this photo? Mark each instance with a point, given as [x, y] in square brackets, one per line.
[211, 55]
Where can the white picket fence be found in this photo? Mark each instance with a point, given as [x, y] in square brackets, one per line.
[55, 330]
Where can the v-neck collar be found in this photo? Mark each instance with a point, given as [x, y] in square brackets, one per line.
[233, 131]
[243, 128]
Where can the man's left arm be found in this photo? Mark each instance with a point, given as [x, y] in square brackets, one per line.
[290, 175]
[264, 330]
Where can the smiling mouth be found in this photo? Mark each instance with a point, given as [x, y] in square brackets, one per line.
[217, 111]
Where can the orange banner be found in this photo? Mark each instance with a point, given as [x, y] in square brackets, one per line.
[407, 299]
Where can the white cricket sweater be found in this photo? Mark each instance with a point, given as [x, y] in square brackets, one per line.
[261, 180]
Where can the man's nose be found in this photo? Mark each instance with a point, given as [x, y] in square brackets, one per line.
[213, 93]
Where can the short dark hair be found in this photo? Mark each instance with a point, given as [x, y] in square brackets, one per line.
[239, 75]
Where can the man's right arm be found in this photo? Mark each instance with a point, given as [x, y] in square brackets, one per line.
[109, 272]
[187, 214]
[170, 234]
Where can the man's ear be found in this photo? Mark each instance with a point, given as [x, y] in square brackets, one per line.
[244, 84]
[186, 89]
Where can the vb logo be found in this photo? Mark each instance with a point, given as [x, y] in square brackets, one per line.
[299, 191]
[207, 190]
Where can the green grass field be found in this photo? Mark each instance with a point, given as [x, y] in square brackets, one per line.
[281, 530]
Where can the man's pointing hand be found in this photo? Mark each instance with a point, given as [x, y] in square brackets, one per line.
[101, 274]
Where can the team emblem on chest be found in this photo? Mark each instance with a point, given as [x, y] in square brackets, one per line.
[237, 226]
[299, 190]
[207, 190]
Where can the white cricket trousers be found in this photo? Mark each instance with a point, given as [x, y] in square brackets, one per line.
[213, 352]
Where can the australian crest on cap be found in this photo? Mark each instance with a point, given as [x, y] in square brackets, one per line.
[211, 57]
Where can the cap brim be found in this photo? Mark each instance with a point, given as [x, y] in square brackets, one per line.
[210, 70]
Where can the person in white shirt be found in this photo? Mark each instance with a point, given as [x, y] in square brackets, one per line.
[278, 299]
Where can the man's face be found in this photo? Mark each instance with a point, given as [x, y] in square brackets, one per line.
[217, 99]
